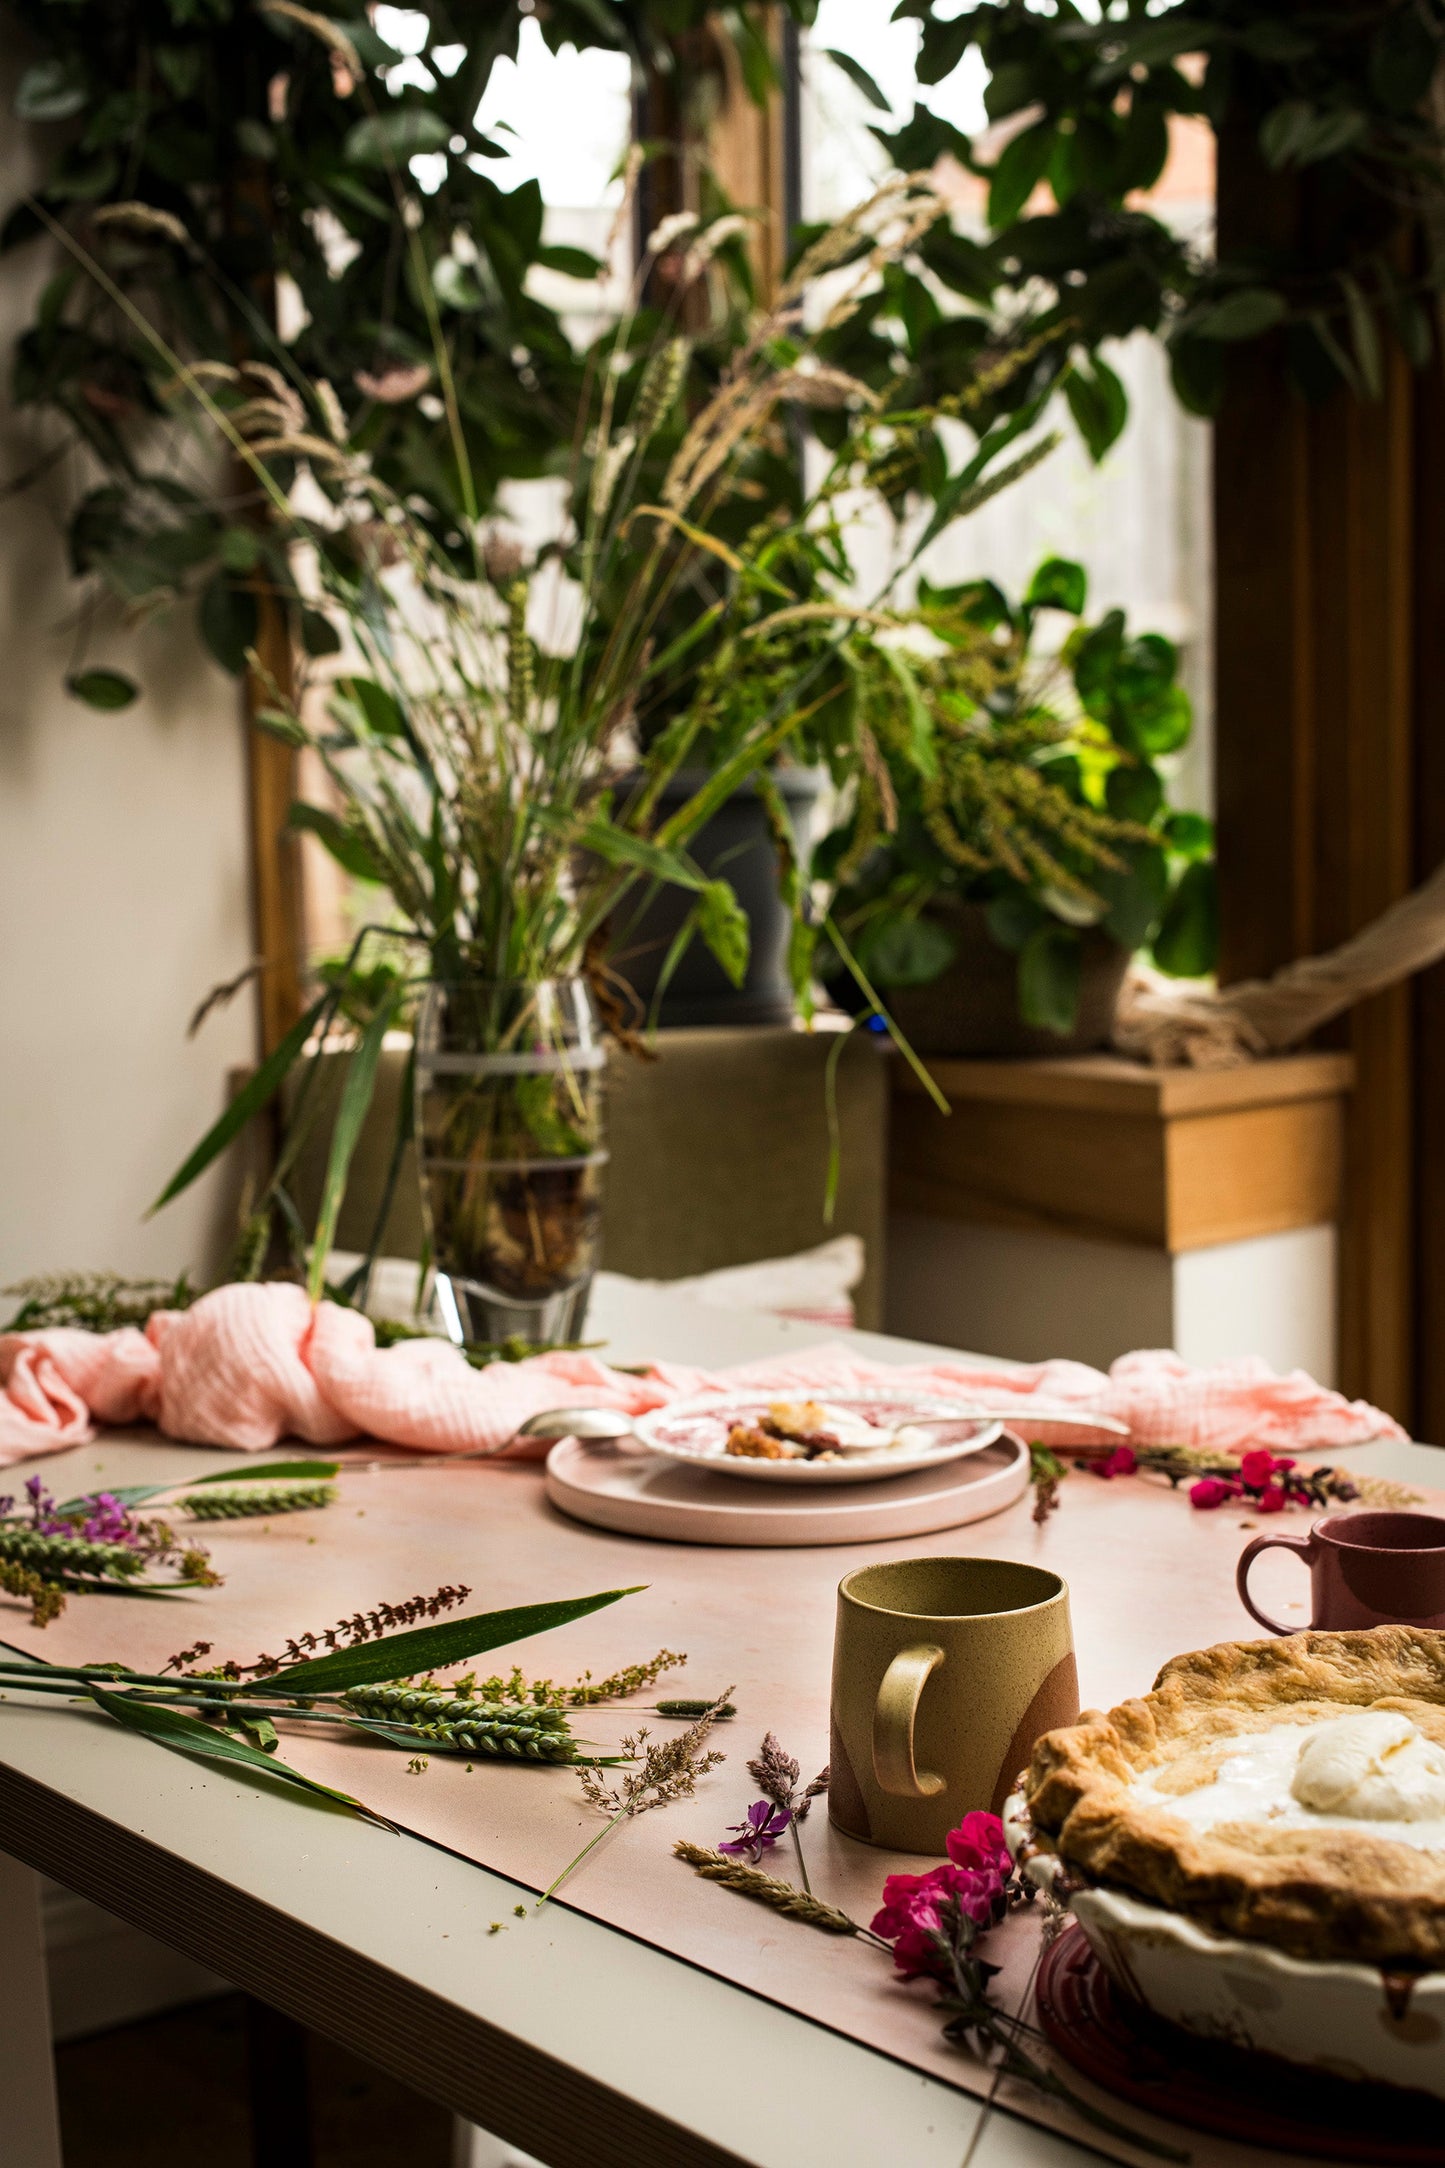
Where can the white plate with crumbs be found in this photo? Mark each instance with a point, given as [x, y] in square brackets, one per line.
[859, 1437]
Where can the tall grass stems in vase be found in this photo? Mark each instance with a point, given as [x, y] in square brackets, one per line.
[478, 725]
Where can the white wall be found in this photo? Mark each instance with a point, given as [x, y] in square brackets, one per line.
[123, 892]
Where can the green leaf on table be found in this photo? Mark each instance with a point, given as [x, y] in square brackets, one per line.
[1049, 973]
[425, 1649]
[188, 1735]
[355, 1105]
[254, 1094]
[271, 1471]
[102, 688]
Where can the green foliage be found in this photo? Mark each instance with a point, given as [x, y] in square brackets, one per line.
[210, 144]
[1040, 800]
[185, 1734]
[95, 1301]
[1337, 94]
[425, 1649]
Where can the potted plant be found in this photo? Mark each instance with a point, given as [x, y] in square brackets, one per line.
[486, 774]
[996, 907]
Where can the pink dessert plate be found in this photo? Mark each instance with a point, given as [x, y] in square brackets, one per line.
[643, 1494]
[696, 1432]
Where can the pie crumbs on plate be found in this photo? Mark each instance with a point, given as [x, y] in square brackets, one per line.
[811, 1430]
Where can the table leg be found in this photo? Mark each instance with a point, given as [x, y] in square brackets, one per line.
[28, 2114]
[280, 2086]
[475, 2148]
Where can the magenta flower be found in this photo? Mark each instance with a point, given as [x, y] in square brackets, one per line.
[762, 1827]
[1122, 1461]
[1257, 1467]
[978, 1842]
[924, 1916]
[1211, 1491]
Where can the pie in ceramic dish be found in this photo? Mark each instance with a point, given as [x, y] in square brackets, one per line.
[1289, 1792]
[1255, 1850]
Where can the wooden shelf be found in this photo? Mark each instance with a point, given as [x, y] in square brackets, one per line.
[1175, 1159]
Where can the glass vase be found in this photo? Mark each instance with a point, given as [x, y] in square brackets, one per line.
[510, 1085]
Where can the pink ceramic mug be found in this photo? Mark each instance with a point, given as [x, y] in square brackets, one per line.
[1366, 1569]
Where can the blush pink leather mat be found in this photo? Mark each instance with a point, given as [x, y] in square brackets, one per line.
[1148, 1575]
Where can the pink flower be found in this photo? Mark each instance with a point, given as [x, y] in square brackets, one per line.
[978, 1843]
[920, 1912]
[1122, 1461]
[912, 1915]
[1274, 1499]
[1256, 1468]
[1210, 1491]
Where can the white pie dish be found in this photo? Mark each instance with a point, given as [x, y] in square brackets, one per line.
[1347, 2020]
[695, 1432]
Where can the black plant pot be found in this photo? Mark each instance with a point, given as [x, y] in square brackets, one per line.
[737, 846]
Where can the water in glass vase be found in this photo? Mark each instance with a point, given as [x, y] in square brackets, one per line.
[509, 1111]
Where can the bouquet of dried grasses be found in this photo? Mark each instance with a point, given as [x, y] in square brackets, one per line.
[497, 724]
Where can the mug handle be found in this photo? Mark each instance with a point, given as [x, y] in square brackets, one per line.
[1302, 1546]
[894, 1715]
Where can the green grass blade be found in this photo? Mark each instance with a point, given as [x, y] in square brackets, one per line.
[188, 1735]
[428, 1648]
[140, 1494]
[249, 1100]
[350, 1115]
[272, 1471]
[860, 979]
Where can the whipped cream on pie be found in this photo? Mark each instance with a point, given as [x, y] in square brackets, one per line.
[1371, 1770]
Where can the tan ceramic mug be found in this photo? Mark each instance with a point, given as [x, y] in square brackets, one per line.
[945, 1671]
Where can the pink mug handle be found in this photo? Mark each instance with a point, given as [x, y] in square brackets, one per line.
[1303, 1546]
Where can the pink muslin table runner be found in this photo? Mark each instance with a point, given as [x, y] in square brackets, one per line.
[1148, 1576]
[249, 1365]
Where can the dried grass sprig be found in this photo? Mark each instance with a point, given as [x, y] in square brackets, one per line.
[666, 1771]
[253, 1501]
[583, 1693]
[351, 1632]
[768, 1889]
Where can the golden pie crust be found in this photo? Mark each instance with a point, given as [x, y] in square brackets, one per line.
[1331, 1893]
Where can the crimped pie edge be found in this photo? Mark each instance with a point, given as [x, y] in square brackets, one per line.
[1316, 1894]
